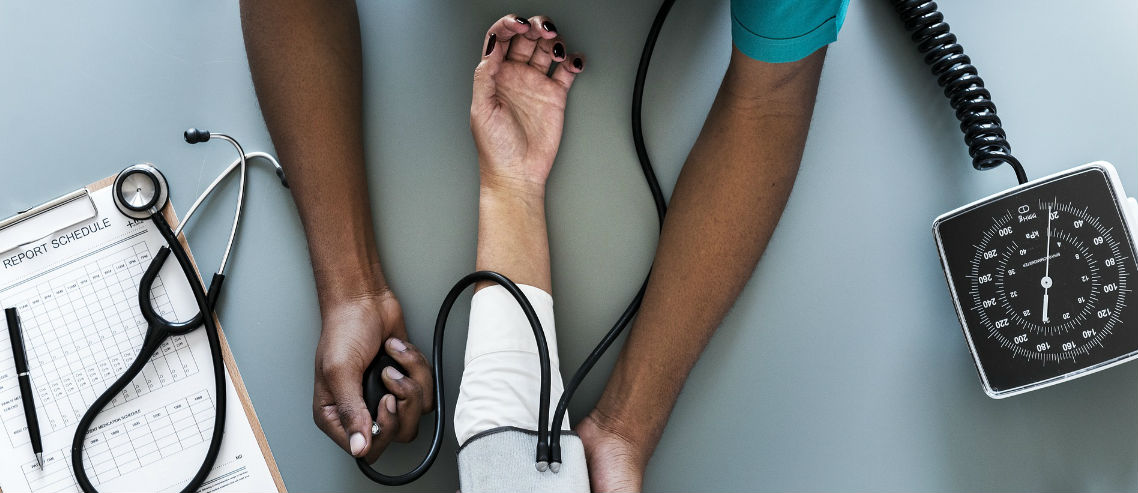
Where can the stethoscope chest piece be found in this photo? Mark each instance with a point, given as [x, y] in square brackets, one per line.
[140, 191]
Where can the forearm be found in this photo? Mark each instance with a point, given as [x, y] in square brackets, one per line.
[512, 238]
[305, 58]
[725, 207]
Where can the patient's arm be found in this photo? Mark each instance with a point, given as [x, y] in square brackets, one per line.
[516, 116]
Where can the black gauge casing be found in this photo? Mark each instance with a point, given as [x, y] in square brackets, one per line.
[1042, 279]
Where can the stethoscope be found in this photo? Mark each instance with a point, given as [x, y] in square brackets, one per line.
[141, 192]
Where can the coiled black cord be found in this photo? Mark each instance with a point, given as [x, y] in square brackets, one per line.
[983, 132]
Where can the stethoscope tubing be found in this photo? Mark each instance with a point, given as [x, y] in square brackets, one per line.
[225, 173]
[158, 330]
[242, 163]
[237, 210]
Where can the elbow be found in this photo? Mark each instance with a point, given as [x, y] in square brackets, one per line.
[750, 83]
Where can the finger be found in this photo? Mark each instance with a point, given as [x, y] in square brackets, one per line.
[327, 419]
[344, 383]
[387, 427]
[522, 47]
[567, 71]
[548, 29]
[548, 51]
[417, 367]
[498, 37]
[409, 409]
[494, 46]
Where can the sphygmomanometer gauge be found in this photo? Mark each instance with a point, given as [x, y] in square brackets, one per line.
[1042, 276]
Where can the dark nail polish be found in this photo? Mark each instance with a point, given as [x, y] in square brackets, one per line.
[490, 44]
[558, 51]
[522, 20]
[548, 26]
[578, 63]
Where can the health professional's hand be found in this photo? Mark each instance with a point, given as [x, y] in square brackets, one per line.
[351, 337]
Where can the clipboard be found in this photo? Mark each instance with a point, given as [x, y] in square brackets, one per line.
[73, 208]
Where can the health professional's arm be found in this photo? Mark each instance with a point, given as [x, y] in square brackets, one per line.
[726, 204]
[305, 58]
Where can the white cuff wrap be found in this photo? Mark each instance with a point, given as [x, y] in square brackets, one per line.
[502, 378]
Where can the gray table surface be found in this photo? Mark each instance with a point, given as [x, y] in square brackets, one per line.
[841, 367]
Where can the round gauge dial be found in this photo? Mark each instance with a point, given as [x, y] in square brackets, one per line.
[1040, 276]
[1049, 281]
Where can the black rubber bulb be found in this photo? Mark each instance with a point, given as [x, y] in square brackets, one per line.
[373, 386]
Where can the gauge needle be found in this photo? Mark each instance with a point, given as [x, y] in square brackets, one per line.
[1046, 281]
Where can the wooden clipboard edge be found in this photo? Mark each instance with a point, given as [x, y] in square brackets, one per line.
[226, 353]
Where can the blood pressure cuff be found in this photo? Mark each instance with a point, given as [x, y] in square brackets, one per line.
[778, 31]
[501, 380]
[502, 459]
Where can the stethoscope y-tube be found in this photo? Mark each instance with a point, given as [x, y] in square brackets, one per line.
[157, 331]
[141, 192]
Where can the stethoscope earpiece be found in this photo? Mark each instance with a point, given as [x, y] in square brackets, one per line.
[140, 191]
[194, 136]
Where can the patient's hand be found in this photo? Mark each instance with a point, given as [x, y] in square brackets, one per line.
[518, 107]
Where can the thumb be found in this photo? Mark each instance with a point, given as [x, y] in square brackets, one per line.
[494, 46]
[354, 416]
[485, 89]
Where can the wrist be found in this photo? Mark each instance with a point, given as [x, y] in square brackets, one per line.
[510, 212]
[616, 424]
[505, 185]
[599, 429]
[512, 236]
[349, 284]
[531, 196]
[636, 418]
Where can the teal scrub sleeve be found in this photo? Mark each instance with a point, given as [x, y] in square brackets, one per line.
[778, 31]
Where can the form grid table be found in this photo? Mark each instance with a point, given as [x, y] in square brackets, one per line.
[83, 329]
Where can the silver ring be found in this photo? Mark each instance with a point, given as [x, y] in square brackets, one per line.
[139, 189]
[22, 374]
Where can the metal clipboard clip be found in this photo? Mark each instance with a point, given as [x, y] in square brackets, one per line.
[41, 221]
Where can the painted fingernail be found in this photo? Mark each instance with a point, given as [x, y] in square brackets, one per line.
[393, 373]
[522, 20]
[390, 405]
[375, 429]
[548, 26]
[397, 345]
[357, 443]
[490, 44]
[558, 51]
[578, 63]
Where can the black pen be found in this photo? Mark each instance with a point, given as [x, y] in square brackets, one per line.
[21, 357]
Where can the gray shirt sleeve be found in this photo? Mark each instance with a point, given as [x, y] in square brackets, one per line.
[502, 459]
